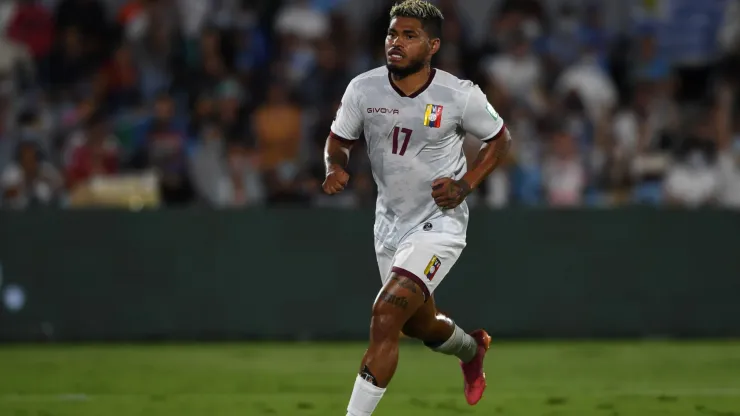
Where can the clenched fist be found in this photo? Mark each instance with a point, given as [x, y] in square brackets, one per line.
[449, 193]
[336, 180]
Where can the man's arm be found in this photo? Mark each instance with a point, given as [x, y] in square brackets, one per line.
[336, 152]
[336, 156]
[449, 193]
[345, 130]
[481, 120]
[491, 155]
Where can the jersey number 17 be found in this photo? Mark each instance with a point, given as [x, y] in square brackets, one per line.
[397, 131]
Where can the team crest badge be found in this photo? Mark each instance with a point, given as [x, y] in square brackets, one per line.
[433, 116]
[432, 267]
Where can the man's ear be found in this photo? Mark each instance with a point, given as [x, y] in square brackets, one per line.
[434, 46]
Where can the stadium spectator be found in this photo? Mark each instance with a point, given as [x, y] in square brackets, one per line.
[278, 129]
[563, 171]
[93, 153]
[693, 179]
[517, 72]
[261, 80]
[30, 180]
[162, 145]
[225, 173]
[728, 146]
[299, 18]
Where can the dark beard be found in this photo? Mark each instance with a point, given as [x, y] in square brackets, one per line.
[411, 69]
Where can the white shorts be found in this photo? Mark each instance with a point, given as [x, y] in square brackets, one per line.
[425, 257]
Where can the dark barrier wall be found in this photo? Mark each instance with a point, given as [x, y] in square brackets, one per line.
[305, 274]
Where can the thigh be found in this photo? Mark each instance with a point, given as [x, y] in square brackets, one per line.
[384, 257]
[427, 258]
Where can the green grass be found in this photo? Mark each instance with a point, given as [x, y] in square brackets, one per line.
[610, 379]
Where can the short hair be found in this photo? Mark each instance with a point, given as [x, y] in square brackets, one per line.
[430, 16]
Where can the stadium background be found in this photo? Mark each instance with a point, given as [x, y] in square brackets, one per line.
[160, 170]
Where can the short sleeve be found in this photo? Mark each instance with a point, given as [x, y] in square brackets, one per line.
[479, 117]
[347, 123]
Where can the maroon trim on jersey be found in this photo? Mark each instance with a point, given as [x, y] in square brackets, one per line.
[340, 138]
[497, 135]
[417, 92]
[405, 273]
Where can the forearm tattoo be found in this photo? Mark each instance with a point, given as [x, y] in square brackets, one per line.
[336, 158]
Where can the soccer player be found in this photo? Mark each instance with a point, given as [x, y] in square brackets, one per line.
[415, 119]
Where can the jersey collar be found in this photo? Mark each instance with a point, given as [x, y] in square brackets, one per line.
[416, 93]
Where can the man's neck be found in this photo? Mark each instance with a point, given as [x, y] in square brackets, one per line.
[413, 82]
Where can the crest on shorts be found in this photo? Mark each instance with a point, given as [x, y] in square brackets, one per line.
[432, 267]
[433, 116]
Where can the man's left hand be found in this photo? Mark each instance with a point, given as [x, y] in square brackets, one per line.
[449, 193]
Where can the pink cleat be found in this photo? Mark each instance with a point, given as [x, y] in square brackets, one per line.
[475, 378]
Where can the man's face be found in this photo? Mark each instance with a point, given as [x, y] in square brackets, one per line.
[408, 47]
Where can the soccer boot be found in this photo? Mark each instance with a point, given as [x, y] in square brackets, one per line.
[475, 378]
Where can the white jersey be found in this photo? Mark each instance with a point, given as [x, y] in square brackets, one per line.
[413, 140]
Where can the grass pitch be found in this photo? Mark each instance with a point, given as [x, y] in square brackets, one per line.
[528, 379]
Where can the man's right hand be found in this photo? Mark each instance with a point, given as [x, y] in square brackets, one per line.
[336, 180]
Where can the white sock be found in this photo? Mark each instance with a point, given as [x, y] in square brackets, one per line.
[365, 397]
[460, 344]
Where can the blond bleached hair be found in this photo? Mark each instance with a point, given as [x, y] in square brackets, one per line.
[431, 17]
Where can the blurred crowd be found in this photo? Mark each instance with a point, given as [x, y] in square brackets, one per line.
[227, 103]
